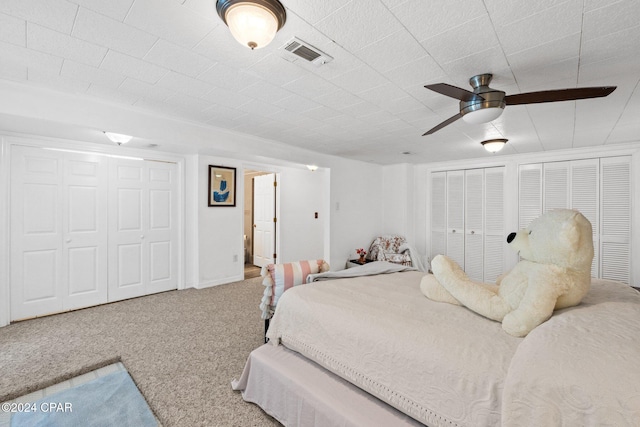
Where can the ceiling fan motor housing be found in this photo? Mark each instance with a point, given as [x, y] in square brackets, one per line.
[489, 98]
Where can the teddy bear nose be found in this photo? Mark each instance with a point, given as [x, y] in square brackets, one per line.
[510, 237]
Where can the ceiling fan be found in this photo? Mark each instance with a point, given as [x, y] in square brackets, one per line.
[485, 104]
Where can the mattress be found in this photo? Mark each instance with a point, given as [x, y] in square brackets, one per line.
[446, 366]
[298, 392]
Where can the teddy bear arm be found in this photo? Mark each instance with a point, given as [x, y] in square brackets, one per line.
[536, 306]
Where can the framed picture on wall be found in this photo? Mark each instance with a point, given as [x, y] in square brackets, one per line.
[222, 186]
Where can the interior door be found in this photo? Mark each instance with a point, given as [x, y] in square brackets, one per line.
[58, 231]
[143, 229]
[264, 196]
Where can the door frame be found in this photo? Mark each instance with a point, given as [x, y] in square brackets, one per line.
[277, 171]
[7, 140]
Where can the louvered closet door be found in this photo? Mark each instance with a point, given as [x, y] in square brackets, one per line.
[556, 186]
[615, 225]
[455, 216]
[438, 213]
[529, 194]
[474, 224]
[584, 198]
[494, 233]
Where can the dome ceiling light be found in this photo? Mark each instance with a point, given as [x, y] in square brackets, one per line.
[253, 23]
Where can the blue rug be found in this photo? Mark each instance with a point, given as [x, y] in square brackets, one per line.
[111, 400]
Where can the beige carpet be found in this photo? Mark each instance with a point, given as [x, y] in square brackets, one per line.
[182, 348]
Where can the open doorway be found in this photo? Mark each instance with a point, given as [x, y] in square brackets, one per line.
[260, 207]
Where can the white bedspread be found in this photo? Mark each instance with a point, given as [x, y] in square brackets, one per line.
[446, 366]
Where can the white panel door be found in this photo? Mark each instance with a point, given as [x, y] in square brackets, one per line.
[58, 231]
[85, 230]
[143, 229]
[264, 197]
[36, 232]
[474, 224]
[494, 234]
[162, 232]
[455, 216]
[128, 223]
[438, 213]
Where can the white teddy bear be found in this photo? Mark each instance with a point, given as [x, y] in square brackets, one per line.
[555, 272]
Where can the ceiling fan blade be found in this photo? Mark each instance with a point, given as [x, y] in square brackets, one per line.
[453, 91]
[558, 95]
[443, 124]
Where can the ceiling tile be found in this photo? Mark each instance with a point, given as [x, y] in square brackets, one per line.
[551, 24]
[116, 9]
[176, 58]
[179, 83]
[132, 67]
[111, 95]
[56, 81]
[171, 21]
[13, 30]
[205, 8]
[535, 79]
[55, 14]
[87, 73]
[227, 77]
[488, 61]
[295, 102]
[226, 97]
[456, 43]
[416, 74]
[425, 19]
[625, 43]
[354, 27]
[338, 99]
[361, 109]
[611, 19]
[392, 51]
[104, 31]
[508, 11]
[546, 54]
[63, 45]
[310, 86]
[314, 10]
[277, 70]
[11, 71]
[144, 90]
[265, 92]
[359, 79]
[18, 55]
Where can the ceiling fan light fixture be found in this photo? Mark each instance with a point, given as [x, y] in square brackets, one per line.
[253, 23]
[484, 115]
[494, 145]
[118, 138]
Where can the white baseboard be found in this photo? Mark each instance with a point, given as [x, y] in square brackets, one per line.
[211, 283]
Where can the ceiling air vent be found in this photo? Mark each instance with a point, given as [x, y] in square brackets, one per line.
[305, 51]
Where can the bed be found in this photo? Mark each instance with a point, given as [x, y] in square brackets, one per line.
[442, 365]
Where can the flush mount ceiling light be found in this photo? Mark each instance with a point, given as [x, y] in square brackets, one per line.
[253, 23]
[118, 138]
[494, 145]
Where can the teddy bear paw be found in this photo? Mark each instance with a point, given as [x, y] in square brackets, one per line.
[513, 325]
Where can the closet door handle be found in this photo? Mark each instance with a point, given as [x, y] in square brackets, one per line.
[453, 231]
[473, 232]
[68, 240]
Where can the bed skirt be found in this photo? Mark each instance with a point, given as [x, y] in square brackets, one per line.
[298, 392]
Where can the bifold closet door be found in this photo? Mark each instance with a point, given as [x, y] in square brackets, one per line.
[142, 228]
[474, 224]
[58, 231]
[455, 216]
[438, 213]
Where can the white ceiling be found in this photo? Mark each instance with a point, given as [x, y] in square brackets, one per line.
[176, 57]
